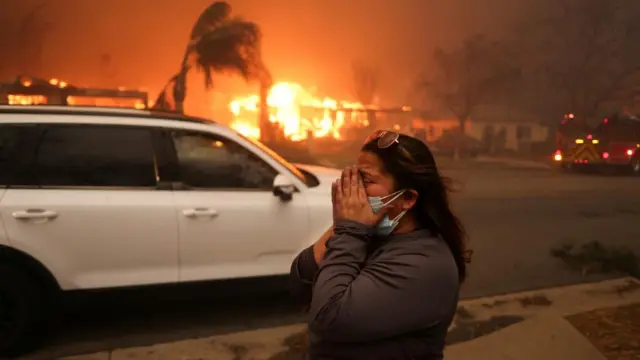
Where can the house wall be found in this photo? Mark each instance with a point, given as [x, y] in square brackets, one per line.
[517, 135]
[434, 128]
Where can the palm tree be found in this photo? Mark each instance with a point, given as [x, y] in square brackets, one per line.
[218, 43]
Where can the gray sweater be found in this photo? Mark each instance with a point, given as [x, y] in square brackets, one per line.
[389, 298]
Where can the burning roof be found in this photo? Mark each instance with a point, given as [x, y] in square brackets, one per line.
[25, 90]
[298, 113]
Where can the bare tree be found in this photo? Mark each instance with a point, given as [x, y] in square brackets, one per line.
[8, 46]
[588, 52]
[468, 77]
[366, 79]
[22, 42]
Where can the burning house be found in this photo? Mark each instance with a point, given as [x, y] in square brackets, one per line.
[34, 91]
[295, 114]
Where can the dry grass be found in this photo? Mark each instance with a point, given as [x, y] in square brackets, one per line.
[614, 331]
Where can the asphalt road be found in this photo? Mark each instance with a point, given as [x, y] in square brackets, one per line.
[513, 217]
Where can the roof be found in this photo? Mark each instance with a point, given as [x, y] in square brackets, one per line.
[99, 111]
[35, 86]
[112, 116]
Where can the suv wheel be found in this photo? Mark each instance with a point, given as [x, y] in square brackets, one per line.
[20, 311]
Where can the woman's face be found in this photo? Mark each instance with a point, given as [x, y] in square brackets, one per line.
[377, 182]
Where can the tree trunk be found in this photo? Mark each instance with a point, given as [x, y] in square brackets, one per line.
[457, 144]
[180, 84]
[161, 102]
[459, 137]
[266, 129]
[180, 92]
[371, 118]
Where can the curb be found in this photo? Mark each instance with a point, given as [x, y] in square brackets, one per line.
[562, 300]
[482, 316]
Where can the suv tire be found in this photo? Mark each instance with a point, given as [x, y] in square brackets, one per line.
[21, 308]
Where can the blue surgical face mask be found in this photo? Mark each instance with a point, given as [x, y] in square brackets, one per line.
[386, 225]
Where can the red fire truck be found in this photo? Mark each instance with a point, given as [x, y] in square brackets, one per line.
[33, 91]
[612, 144]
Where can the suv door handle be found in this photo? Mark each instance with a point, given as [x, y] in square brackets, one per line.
[199, 212]
[35, 214]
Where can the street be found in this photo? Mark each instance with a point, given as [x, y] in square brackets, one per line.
[514, 217]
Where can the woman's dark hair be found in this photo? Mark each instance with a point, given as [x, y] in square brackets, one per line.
[412, 166]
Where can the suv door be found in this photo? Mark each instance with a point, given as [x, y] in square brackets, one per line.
[92, 212]
[17, 144]
[230, 223]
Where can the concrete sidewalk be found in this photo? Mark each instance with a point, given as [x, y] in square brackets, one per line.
[545, 336]
[538, 330]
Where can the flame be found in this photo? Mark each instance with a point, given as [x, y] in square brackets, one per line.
[99, 101]
[59, 83]
[78, 100]
[297, 112]
[17, 99]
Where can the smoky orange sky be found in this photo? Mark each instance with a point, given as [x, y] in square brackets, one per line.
[311, 42]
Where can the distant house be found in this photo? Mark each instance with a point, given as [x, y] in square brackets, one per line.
[502, 129]
[497, 129]
[430, 127]
[498, 136]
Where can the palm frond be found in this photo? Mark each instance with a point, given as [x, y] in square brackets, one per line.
[232, 47]
[211, 17]
[219, 44]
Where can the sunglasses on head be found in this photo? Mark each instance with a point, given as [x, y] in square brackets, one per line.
[385, 139]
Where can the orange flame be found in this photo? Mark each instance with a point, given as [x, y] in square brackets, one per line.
[297, 112]
[17, 99]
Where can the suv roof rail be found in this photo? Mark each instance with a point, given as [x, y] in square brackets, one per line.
[101, 111]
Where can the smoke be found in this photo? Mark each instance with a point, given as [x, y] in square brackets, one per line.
[312, 42]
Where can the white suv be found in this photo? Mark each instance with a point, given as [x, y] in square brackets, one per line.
[107, 198]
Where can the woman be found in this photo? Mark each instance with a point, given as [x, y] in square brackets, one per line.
[383, 282]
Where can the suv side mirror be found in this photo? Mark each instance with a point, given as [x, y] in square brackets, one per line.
[283, 188]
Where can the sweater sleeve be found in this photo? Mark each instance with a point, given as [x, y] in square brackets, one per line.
[395, 295]
[303, 270]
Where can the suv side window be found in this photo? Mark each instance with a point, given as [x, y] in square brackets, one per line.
[96, 156]
[214, 162]
[17, 148]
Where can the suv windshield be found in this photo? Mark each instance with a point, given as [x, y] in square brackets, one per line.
[278, 158]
